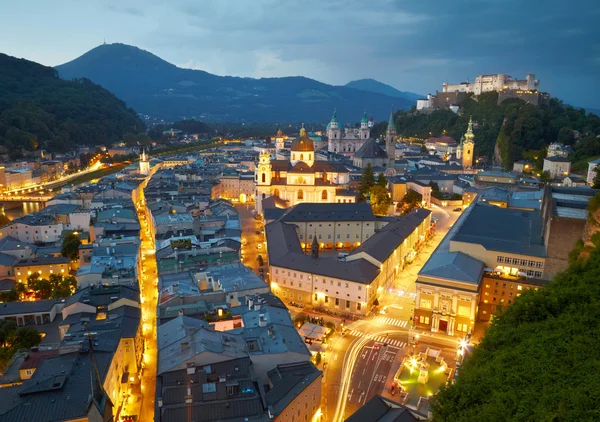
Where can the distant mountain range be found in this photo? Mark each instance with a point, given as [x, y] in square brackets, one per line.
[155, 87]
[372, 85]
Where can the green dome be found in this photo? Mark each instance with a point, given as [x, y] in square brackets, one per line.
[334, 117]
[365, 119]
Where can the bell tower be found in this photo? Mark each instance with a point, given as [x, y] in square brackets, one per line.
[364, 127]
[263, 180]
[390, 140]
[279, 141]
[264, 169]
[468, 148]
[144, 163]
[333, 133]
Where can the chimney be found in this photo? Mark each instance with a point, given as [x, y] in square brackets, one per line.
[250, 302]
[262, 320]
[185, 345]
[108, 250]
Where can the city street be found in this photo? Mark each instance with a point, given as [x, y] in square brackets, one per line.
[251, 239]
[148, 292]
[358, 366]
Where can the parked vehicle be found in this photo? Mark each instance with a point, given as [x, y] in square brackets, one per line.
[459, 209]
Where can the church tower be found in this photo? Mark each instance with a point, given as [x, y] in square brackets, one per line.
[365, 130]
[459, 148]
[263, 180]
[144, 163]
[333, 132]
[264, 169]
[390, 140]
[468, 146]
[279, 141]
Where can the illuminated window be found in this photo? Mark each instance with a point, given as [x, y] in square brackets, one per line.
[425, 303]
[464, 311]
[519, 287]
[485, 301]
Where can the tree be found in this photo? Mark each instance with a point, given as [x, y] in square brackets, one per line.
[382, 181]
[367, 180]
[597, 179]
[545, 177]
[27, 337]
[7, 331]
[380, 200]
[503, 381]
[70, 246]
[566, 136]
[41, 288]
[411, 200]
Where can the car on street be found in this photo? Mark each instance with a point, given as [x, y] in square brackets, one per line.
[459, 209]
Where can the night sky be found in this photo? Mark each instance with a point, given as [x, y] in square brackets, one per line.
[411, 45]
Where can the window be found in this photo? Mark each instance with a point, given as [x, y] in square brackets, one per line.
[316, 296]
[264, 178]
[300, 297]
[500, 259]
[539, 265]
[347, 304]
[425, 303]
[464, 311]
[302, 157]
[519, 287]
[300, 194]
[337, 301]
[324, 195]
[339, 284]
[538, 274]
[326, 299]
[424, 319]
[359, 288]
[358, 306]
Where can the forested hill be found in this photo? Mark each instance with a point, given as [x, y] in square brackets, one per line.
[40, 110]
[540, 359]
[526, 129]
[160, 89]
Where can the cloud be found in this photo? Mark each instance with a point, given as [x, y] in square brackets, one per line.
[412, 45]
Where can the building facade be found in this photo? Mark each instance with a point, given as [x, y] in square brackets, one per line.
[347, 141]
[302, 178]
[497, 82]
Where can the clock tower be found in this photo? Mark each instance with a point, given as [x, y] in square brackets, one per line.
[263, 179]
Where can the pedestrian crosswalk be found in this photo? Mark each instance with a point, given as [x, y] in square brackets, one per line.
[379, 339]
[390, 321]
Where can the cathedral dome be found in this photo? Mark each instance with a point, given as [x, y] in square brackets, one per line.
[303, 143]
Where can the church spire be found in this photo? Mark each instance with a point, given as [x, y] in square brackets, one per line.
[302, 131]
[315, 247]
[391, 125]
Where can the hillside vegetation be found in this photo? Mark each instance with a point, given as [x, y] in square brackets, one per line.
[39, 110]
[526, 130]
[540, 358]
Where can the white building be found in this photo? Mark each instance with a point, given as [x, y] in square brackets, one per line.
[591, 174]
[557, 166]
[425, 103]
[497, 82]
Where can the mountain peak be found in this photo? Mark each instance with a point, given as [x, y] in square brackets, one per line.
[372, 85]
[109, 55]
[155, 87]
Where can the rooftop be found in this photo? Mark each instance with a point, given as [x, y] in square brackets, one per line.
[307, 212]
[513, 231]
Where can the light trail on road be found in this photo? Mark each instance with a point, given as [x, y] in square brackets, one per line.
[350, 358]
